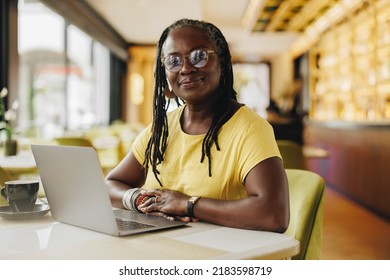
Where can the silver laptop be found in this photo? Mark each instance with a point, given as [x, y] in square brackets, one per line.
[74, 185]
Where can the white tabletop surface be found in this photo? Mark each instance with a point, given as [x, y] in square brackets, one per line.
[44, 238]
[22, 160]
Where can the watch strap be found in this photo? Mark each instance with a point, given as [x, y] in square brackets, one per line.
[190, 205]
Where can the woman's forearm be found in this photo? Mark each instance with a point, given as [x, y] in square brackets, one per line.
[116, 191]
[249, 213]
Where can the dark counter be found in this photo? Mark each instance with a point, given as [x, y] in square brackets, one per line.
[359, 160]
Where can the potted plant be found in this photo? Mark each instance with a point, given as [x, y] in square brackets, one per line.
[6, 116]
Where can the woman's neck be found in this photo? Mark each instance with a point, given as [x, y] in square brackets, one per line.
[197, 120]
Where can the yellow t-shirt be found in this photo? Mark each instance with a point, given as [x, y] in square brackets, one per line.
[244, 141]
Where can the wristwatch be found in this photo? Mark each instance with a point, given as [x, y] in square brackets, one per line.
[190, 205]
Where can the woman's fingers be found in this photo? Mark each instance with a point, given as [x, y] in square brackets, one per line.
[149, 205]
[162, 215]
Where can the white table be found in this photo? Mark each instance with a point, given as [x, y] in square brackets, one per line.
[23, 162]
[44, 238]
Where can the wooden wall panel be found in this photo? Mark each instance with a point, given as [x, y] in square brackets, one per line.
[358, 164]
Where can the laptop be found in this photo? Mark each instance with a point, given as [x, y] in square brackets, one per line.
[74, 185]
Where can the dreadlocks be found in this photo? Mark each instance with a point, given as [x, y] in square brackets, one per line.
[155, 149]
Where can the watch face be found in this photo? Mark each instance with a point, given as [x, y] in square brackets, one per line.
[193, 199]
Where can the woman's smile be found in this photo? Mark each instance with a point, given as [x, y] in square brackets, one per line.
[191, 82]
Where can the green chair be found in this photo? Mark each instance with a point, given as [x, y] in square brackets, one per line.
[292, 154]
[74, 141]
[108, 157]
[306, 212]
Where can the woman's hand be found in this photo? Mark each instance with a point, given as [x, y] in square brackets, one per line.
[162, 215]
[165, 203]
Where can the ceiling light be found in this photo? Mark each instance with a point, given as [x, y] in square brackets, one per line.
[251, 13]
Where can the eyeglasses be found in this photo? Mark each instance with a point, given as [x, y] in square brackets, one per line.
[197, 58]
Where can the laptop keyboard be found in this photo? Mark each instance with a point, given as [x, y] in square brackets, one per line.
[131, 225]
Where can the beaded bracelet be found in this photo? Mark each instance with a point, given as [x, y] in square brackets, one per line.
[141, 199]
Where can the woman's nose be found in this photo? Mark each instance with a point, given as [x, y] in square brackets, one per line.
[187, 66]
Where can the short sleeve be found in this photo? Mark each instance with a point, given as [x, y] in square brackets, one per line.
[259, 145]
[140, 143]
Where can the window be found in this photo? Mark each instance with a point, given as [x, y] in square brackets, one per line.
[252, 84]
[64, 74]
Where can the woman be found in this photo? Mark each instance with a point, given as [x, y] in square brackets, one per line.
[212, 159]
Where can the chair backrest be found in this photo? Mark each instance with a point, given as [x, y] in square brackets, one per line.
[292, 154]
[306, 191]
[74, 141]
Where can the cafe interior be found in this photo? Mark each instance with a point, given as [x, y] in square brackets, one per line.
[81, 73]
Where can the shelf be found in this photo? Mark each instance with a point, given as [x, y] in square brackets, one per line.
[351, 63]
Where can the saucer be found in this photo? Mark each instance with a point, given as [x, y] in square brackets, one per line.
[39, 210]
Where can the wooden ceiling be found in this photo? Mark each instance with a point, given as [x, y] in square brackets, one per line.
[290, 15]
